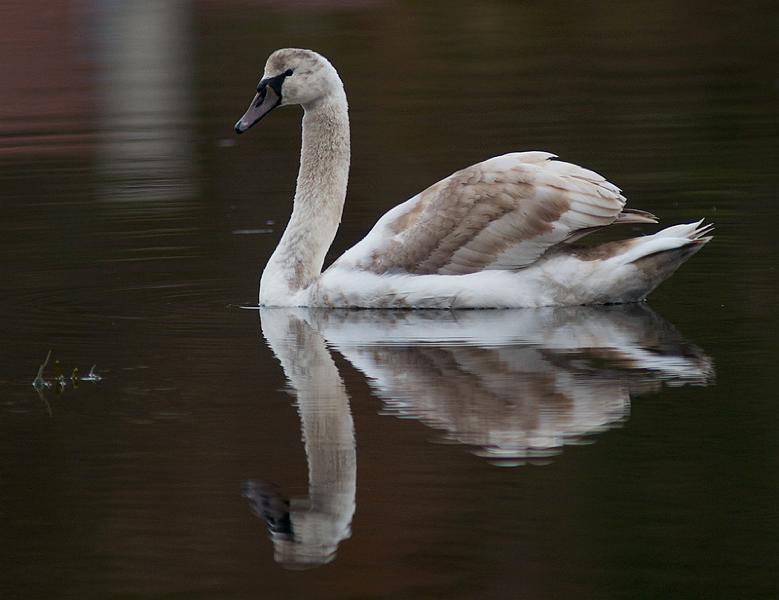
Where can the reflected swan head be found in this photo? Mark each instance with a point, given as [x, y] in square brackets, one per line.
[292, 76]
[303, 537]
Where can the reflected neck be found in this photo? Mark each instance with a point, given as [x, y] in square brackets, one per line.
[319, 199]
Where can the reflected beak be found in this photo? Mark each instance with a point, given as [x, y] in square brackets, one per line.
[265, 101]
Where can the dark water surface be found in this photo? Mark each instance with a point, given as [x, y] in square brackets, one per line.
[617, 452]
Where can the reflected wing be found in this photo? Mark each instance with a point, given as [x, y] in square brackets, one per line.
[502, 213]
[515, 383]
[509, 401]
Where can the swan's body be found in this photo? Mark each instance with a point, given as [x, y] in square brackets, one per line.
[496, 234]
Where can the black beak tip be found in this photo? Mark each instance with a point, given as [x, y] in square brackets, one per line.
[238, 129]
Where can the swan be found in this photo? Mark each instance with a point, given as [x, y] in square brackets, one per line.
[497, 234]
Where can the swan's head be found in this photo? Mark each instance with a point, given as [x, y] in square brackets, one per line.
[292, 76]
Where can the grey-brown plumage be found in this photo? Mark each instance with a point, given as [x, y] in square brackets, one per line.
[503, 213]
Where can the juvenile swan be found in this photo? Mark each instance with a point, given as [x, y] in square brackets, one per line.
[495, 234]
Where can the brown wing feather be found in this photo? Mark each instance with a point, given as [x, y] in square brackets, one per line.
[503, 213]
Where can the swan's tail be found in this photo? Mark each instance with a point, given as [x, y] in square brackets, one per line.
[686, 238]
[658, 256]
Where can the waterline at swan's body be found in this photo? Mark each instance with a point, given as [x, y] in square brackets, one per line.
[563, 279]
[497, 234]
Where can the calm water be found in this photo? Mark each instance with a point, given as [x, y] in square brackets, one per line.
[618, 452]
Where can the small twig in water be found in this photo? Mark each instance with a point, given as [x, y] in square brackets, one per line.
[39, 382]
[60, 381]
[91, 376]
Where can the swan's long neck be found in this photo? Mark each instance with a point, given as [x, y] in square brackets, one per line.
[319, 200]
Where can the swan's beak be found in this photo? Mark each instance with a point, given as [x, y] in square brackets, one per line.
[265, 101]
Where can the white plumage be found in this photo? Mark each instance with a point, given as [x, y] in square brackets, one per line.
[495, 234]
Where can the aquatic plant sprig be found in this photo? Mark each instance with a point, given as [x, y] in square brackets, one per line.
[59, 380]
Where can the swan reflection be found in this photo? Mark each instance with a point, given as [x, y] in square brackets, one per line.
[514, 385]
[306, 531]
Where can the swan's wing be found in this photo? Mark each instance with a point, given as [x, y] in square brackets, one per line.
[502, 213]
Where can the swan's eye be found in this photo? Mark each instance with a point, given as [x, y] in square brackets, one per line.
[288, 73]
